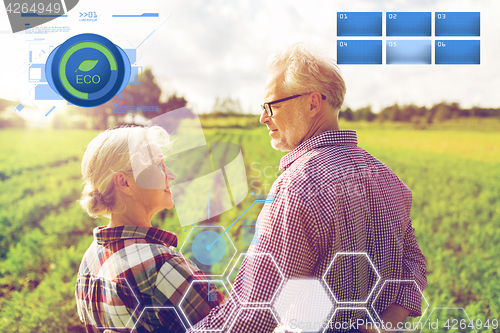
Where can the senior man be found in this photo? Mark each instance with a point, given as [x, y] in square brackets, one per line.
[332, 197]
[333, 201]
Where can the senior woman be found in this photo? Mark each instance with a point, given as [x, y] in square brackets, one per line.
[130, 276]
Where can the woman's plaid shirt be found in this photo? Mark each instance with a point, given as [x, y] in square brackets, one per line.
[131, 278]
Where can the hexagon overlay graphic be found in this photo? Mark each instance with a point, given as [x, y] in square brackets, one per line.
[342, 324]
[455, 320]
[153, 309]
[244, 283]
[412, 322]
[351, 269]
[245, 318]
[211, 253]
[185, 306]
[231, 277]
[303, 304]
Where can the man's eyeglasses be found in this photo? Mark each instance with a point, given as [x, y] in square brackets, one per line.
[267, 106]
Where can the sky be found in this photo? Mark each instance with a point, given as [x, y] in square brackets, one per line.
[207, 49]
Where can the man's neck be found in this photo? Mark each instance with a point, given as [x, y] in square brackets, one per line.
[321, 123]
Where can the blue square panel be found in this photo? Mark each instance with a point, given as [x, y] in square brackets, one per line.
[19, 107]
[359, 24]
[408, 24]
[457, 23]
[457, 52]
[359, 52]
[408, 52]
[135, 75]
[43, 92]
[131, 54]
[37, 73]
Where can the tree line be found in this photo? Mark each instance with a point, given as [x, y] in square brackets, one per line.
[144, 101]
[418, 115]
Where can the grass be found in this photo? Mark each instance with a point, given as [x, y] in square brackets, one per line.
[453, 172]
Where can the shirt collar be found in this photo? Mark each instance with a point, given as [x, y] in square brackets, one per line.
[328, 138]
[103, 235]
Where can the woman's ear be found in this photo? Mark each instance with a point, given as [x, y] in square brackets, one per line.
[122, 183]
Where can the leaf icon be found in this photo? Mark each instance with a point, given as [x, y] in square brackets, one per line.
[87, 65]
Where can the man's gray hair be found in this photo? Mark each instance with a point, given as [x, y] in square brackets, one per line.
[307, 70]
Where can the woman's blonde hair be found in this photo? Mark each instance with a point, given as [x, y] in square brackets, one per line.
[109, 152]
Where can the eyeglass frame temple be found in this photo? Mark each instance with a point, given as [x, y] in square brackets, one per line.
[263, 106]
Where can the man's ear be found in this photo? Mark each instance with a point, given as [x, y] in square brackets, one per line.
[122, 183]
[315, 104]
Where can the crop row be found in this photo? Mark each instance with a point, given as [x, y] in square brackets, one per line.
[23, 152]
[25, 214]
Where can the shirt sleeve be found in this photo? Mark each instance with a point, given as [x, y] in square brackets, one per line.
[286, 248]
[414, 268]
[179, 297]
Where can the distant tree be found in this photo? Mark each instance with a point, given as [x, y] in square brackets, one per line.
[65, 120]
[364, 114]
[147, 94]
[395, 114]
[411, 111]
[141, 99]
[5, 103]
[490, 112]
[474, 111]
[60, 120]
[347, 114]
[443, 112]
[9, 118]
[227, 105]
[391, 113]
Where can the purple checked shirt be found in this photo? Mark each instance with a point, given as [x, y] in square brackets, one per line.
[332, 198]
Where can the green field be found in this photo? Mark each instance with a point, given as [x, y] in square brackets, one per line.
[454, 175]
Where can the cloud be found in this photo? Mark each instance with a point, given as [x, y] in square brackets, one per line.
[210, 49]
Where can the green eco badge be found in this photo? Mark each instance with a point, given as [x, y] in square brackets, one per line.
[88, 70]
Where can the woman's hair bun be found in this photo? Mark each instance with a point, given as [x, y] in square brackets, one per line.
[92, 201]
